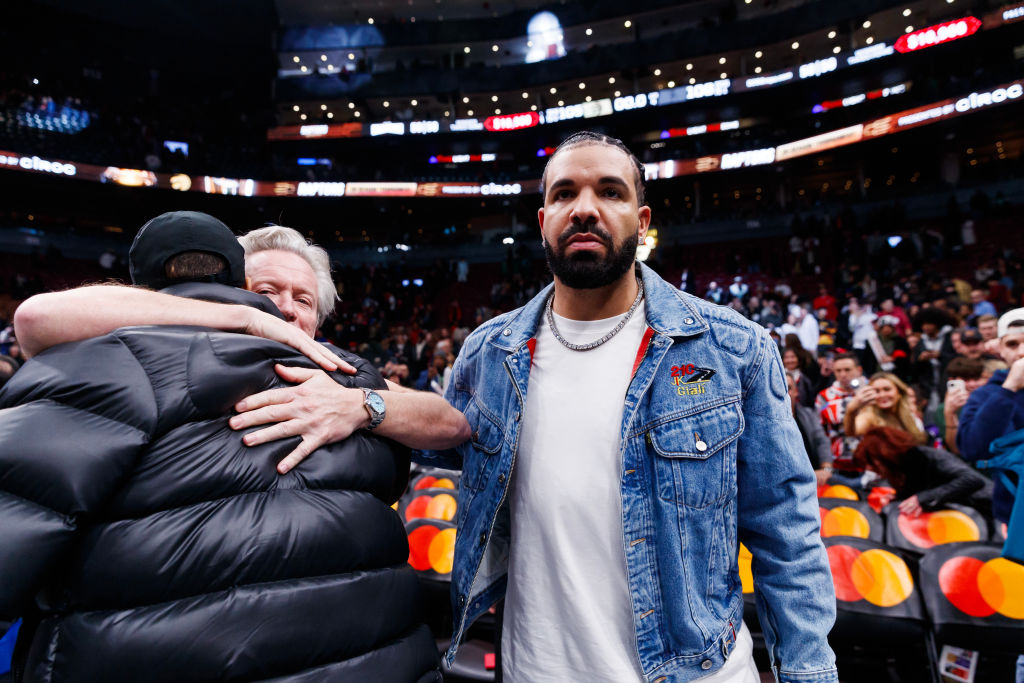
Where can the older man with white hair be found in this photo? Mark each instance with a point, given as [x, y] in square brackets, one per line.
[295, 275]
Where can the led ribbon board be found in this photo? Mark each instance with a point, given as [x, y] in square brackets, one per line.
[938, 34]
[247, 187]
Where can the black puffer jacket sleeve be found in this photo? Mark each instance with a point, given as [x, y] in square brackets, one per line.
[64, 449]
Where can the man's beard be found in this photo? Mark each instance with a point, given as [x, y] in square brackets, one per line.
[587, 269]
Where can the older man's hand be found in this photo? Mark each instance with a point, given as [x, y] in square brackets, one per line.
[318, 409]
[260, 324]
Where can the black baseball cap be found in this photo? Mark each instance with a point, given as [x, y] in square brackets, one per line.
[971, 336]
[170, 234]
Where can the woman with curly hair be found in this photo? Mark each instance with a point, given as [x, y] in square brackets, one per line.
[884, 402]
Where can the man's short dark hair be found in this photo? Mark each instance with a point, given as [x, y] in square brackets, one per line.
[194, 265]
[933, 315]
[587, 137]
[848, 355]
[965, 368]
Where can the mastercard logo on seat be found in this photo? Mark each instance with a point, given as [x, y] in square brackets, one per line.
[431, 547]
[837, 491]
[844, 521]
[878, 576]
[930, 529]
[983, 588]
[434, 503]
[429, 481]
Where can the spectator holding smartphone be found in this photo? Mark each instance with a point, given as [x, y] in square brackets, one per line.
[884, 402]
[965, 375]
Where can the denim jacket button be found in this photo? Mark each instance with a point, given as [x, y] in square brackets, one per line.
[706, 664]
[483, 538]
[689, 321]
[501, 478]
[701, 446]
[507, 332]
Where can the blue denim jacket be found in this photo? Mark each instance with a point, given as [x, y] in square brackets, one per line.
[711, 456]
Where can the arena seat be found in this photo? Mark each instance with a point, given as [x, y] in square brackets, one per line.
[849, 518]
[435, 479]
[974, 597]
[838, 491]
[429, 503]
[876, 597]
[949, 525]
[431, 548]
[475, 661]
[747, 581]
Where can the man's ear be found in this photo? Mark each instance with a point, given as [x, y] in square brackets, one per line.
[248, 283]
[644, 216]
[540, 219]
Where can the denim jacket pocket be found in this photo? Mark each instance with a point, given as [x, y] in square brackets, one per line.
[486, 436]
[695, 461]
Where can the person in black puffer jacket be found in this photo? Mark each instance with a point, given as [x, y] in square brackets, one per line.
[142, 541]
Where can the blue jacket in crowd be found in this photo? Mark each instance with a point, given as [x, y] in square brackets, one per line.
[991, 412]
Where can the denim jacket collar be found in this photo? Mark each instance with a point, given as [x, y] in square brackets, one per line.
[668, 313]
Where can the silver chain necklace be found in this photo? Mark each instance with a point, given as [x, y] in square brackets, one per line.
[594, 344]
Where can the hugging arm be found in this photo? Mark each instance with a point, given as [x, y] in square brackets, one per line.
[46, 320]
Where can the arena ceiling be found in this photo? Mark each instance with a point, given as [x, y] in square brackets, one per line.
[322, 12]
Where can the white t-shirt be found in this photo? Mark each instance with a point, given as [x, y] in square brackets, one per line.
[568, 615]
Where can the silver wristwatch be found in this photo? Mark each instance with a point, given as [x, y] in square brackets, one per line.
[374, 404]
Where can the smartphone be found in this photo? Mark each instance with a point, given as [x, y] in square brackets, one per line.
[856, 383]
[955, 384]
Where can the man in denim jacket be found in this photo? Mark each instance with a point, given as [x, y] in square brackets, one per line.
[625, 438]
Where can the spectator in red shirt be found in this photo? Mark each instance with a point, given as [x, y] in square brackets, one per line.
[826, 301]
[889, 307]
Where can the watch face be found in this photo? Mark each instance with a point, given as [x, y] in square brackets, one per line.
[375, 402]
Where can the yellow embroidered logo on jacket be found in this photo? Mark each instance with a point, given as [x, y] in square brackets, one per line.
[689, 380]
